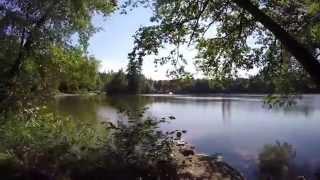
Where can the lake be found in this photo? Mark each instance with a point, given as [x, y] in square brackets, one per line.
[239, 127]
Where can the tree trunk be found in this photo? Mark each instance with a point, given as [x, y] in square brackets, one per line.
[298, 50]
[25, 48]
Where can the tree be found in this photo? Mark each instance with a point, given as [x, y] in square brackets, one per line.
[118, 84]
[236, 34]
[33, 23]
[298, 50]
[134, 76]
[31, 29]
[73, 70]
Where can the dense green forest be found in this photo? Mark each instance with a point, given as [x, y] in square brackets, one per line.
[44, 51]
[117, 83]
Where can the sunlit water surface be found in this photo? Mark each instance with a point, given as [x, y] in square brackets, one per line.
[237, 126]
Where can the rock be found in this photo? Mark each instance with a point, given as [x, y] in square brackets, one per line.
[204, 156]
[202, 166]
[180, 143]
[218, 158]
[187, 152]
[179, 134]
[227, 170]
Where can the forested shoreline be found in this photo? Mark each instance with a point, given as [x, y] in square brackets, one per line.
[117, 83]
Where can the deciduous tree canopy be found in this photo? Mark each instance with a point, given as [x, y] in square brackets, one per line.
[32, 32]
[233, 35]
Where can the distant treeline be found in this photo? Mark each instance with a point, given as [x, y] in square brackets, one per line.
[117, 82]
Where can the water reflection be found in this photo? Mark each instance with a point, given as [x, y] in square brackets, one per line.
[81, 108]
[239, 126]
[277, 161]
[101, 108]
[128, 107]
[226, 113]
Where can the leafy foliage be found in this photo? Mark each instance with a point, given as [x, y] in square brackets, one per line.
[118, 83]
[228, 38]
[75, 71]
[40, 144]
[134, 76]
[254, 84]
[44, 143]
[125, 83]
[33, 32]
[139, 146]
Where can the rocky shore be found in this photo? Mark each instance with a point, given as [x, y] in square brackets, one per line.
[193, 165]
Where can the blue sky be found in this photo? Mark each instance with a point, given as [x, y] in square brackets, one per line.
[112, 44]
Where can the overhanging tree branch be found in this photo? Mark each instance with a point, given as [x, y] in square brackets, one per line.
[298, 50]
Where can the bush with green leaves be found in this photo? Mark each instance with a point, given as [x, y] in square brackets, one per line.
[43, 143]
[140, 149]
[39, 144]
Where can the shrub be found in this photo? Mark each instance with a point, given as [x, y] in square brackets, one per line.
[39, 143]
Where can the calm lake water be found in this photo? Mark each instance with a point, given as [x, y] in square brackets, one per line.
[239, 126]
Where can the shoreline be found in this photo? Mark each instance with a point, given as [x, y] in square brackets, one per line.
[194, 165]
[77, 94]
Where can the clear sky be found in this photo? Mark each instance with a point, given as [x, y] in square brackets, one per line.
[113, 43]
